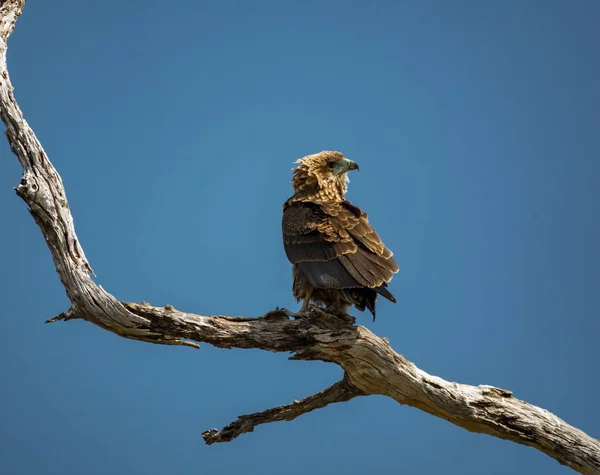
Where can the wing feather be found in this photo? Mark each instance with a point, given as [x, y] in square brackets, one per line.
[335, 247]
[310, 235]
[328, 275]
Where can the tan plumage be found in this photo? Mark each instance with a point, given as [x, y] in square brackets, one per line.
[337, 257]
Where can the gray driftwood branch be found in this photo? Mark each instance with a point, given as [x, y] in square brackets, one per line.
[370, 365]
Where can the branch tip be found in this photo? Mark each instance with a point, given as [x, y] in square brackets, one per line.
[64, 316]
[210, 436]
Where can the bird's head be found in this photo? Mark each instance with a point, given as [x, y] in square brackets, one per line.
[323, 175]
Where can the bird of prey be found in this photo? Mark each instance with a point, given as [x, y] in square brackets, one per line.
[338, 260]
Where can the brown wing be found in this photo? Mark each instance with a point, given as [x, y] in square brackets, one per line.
[335, 247]
[311, 242]
[359, 227]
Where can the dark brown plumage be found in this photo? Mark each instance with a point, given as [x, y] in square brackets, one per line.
[338, 259]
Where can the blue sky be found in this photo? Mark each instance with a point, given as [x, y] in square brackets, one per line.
[174, 128]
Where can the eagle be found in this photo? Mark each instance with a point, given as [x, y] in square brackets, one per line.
[338, 260]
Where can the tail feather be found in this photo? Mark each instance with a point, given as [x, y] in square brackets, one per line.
[363, 297]
[382, 290]
[370, 299]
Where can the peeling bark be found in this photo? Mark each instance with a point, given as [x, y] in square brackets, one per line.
[370, 365]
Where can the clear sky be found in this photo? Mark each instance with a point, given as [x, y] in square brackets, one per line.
[174, 126]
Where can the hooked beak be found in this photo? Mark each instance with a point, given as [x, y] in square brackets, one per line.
[352, 165]
[342, 166]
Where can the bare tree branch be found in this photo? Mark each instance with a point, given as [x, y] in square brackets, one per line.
[369, 364]
[340, 392]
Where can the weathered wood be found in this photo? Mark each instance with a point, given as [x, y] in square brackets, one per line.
[370, 365]
[340, 392]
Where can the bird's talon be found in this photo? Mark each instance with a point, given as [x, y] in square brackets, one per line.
[342, 315]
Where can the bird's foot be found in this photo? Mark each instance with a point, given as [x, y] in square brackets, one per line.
[337, 312]
[313, 309]
[307, 311]
[342, 315]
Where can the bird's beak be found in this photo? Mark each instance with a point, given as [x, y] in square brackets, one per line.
[352, 165]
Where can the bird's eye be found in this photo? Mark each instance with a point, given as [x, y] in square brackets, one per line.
[331, 164]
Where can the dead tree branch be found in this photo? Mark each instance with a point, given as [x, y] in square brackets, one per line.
[370, 365]
[340, 392]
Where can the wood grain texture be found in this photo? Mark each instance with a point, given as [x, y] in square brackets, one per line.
[340, 392]
[370, 365]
